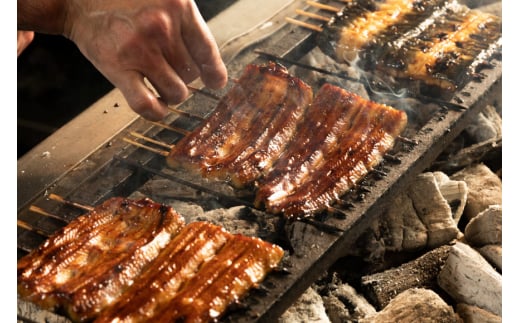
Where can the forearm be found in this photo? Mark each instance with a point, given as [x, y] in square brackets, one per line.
[44, 16]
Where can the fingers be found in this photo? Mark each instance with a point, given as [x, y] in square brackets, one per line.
[204, 51]
[140, 97]
[170, 82]
[23, 39]
[168, 43]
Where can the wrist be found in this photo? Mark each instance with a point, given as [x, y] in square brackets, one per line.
[43, 16]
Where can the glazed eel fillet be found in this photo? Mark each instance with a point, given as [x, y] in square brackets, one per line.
[436, 42]
[249, 128]
[99, 268]
[342, 138]
[196, 277]
[85, 266]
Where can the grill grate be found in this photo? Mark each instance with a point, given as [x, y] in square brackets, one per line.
[111, 171]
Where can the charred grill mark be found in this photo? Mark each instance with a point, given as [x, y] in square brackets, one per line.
[197, 149]
[436, 42]
[146, 265]
[358, 150]
[264, 107]
[83, 275]
[357, 33]
[260, 155]
[307, 198]
[316, 135]
[241, 264]
[441, 56]
[159, 284]
[329, 39]
[344, 175]
[411, 25]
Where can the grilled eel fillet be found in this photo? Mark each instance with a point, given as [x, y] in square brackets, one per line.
[198, 275]
[136, 261]
[249, 128]
[437, 42]
[84, 267]
[342, 138]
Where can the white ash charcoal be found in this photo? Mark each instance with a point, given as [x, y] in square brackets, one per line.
[454, 192]
[468, 278]
[308, 308]
[317, 59]
[485, 188]
[464, 157]
[485, 228]
[493, 254]
[486, 126]
[415, 305]
[477, 4]
[161, 189]
[243, 220]
[422, 217]
[34, 314]
[418, 112]
[189, 210]
[380, 288]
[344, 304]
[475, 314]
[230, 220]
[492, 7]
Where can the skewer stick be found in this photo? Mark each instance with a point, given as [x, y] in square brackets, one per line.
[312, 15]
[175, 129]
[157, 151]
[58, 198]
[304, 24]
[323, 6]
[26, 226]
[210, 95]
[184, 113]
[153, 141]
[41, 211]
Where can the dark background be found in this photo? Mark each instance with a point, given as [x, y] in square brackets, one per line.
[55, 83]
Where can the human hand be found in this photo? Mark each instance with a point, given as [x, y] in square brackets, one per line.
[165, 41]
[23, 39]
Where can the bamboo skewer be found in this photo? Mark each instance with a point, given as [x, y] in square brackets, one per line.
[184, 113]
[26, 226]
[323, 6]
[41, 211]
[138, 144]
[208, 94]
[304, 24]
[312, 15]
[62, 200]
[153, 141]
[175, 129]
